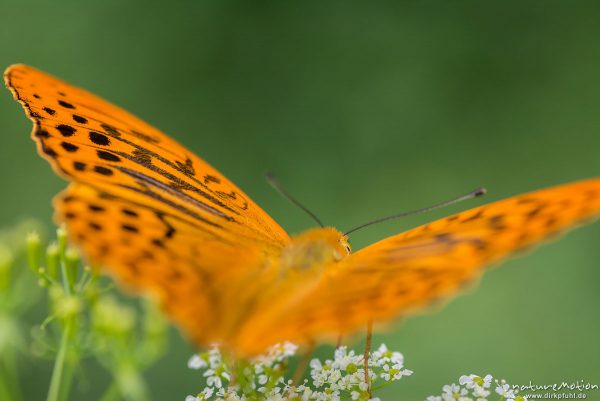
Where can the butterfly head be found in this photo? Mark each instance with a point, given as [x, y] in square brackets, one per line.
[314, 248]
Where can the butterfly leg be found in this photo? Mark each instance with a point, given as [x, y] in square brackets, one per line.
[303, 363]
[367, 354]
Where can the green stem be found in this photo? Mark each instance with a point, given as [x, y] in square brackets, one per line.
[61, 373]
[382, 385]
[5, 393]
[15, 377]
[65, 387]
[9, 384]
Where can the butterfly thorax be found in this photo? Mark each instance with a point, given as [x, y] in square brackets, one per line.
[314, 248]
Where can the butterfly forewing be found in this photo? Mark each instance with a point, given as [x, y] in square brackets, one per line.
[92, 141]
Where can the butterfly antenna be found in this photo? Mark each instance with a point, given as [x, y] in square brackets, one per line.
[473, 194]
[274, 182]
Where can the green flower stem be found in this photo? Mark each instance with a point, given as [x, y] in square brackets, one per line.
[62, 373]
[5, 393]
[382, 385]
[9, 389]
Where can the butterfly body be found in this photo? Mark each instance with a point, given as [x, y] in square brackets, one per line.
[162, 221]
[313, 249]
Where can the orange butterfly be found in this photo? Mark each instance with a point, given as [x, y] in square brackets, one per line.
[163, 221]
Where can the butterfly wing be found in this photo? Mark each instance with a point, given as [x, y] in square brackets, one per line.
[88, 140]
[411, 270]
[158, 217]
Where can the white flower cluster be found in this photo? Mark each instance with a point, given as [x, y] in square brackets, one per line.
[476, 388]
[262, 378]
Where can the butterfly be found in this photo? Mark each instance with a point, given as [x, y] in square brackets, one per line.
[163, 221]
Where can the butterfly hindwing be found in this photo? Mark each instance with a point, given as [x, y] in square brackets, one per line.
[187, 269]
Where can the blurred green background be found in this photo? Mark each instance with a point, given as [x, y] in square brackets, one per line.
[362, 109]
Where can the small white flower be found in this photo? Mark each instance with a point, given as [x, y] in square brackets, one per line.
[473, 381]
[196, 362]
[206, 393]
[480, 392]
[487, 381]
[505, 391]
[344, 359]
[467, 381]
[342, 377]
[315, 364]
[453, 392]
[212, 379]
[434, 398]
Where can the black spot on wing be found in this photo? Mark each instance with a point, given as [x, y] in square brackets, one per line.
[110, 130]
[103, 170]
[99, 139]
[130, 228]
[186, 168]
[65, 130]
[104, 155]
[535, 211]
[42, 133]
[66, 105]
[96, 208]
[79, 166]
[69, 147]
[95, 226]
[497, 222]
[129, 212]
[475, 216]
[104, 249]
[211, 178]
[144, 137]
[142, 156]
[170, 229]
[480, 245]
[79, 119]
[48, 151]
[443, 237]
[49, 111]
[551, 222]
